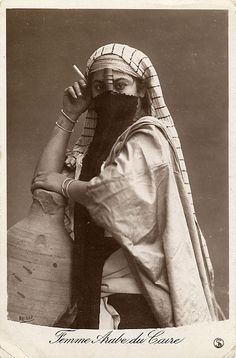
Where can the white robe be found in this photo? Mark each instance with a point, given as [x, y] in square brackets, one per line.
[140, 198]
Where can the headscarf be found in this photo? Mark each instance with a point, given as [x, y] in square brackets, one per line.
[113, 62]
[143, 68]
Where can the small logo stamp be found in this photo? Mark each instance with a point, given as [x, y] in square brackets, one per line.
[218, 342]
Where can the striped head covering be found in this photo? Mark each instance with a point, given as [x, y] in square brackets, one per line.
[113, 62]
[142, 67]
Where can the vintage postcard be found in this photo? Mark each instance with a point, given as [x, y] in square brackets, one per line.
[118, 179]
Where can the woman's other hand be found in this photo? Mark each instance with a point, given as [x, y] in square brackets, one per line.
[49, 181]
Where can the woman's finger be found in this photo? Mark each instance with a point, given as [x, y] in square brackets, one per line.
[71, 91]
[77, 89]
[36, 185]
[37, 174]
[83, 87]
[82, 83]
[42, 172]
[39, 178]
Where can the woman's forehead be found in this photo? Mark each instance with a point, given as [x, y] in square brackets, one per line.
[100, 75]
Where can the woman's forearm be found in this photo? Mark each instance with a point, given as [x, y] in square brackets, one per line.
[76, 100]
[78, 190]
[47, 175]
[53, 155]
[61, 184]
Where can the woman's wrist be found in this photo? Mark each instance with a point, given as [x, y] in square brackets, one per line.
[74, 189]
[71, 116]
[65, 123]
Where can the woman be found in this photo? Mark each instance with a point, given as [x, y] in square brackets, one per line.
[140, 259]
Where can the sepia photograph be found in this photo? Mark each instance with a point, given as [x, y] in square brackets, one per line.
[117, 153]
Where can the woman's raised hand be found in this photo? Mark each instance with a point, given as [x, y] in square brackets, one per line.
[76, 97]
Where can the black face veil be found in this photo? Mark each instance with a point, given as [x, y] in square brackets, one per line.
[115, 112]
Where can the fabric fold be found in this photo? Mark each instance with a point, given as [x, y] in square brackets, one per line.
[145, 207]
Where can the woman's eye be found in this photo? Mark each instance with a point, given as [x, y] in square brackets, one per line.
[98, 87]
[120, 86]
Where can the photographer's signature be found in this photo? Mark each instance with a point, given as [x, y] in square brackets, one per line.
[25, 319]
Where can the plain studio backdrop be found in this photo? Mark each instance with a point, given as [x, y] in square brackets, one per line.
[188, 48]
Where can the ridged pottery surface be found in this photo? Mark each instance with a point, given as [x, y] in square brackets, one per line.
[39, 262]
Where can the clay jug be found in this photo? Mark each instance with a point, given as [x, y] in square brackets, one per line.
[39, 254]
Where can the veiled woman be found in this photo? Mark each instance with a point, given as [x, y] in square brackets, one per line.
[140, 259]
